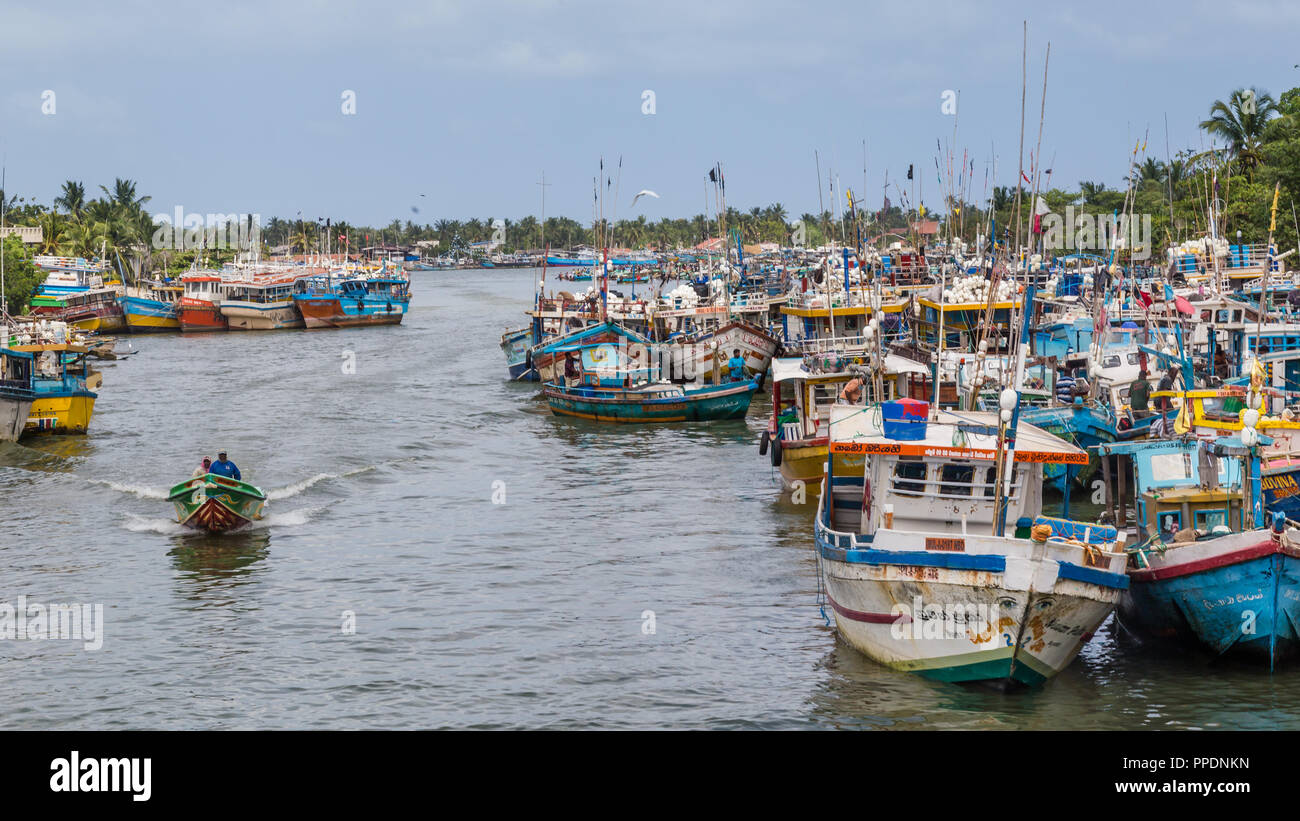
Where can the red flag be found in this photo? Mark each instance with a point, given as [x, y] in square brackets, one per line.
[1022, 174]
[1145, 297]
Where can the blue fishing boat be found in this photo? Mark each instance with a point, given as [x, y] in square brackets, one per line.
[1210, 567]
[516, 344]
[382, 300]
[1086, 424]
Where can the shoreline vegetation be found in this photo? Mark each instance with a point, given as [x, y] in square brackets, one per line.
[1258, 134]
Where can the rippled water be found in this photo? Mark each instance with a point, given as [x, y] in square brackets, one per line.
[468, 613]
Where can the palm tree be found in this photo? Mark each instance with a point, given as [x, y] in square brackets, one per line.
[73, 198]
[1091, 190]
[1240, 122]
[123, 195]
[54, 233]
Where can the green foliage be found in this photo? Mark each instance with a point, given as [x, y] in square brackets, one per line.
[21, 276]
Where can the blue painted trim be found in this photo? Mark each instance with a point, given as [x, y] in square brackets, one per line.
[914, 558]
[1091, 575]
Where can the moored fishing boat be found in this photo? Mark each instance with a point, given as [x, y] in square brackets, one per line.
[16, 393]
[216, 503]
[915, 561]
[1210, 567]
[381, 300]
[515, 344]
[261, 305]
[151, 307]
[95, 310]
[63, 399]
[199, 307]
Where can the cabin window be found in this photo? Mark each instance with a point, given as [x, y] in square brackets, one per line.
[1226, 408]
[1210, 519]
[909, 477]
[1170, 523]
[1132, 359]
[1110, 362]
[1171, 467]
[962, 477]
[991, 481]
[1223, 317]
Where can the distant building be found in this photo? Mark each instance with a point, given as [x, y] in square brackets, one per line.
[30, 235]
[926, 228]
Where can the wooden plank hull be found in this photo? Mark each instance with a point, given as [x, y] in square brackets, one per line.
[61, 414]
[200, 316]
[251, 316]
[1235, 595]
[331, 312]
[14, 412]
[149, 315]
[624, 407]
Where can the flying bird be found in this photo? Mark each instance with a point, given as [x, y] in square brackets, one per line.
[644, 192]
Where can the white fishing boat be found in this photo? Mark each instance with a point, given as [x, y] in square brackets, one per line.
[921, 575]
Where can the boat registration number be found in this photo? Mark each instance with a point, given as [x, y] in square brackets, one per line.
[947, 545]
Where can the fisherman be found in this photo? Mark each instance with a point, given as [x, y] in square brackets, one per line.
[225, 467]
[736, 366]
[852, 391]
[202, 470]
[1166, 384]
[1065, 387]
[571, 373]
[1139, 396]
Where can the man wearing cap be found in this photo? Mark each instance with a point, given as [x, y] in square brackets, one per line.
[225, 467]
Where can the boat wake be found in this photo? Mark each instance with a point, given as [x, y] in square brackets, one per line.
[289, 491]
[170, 527]
[135, 490]
[145, 524]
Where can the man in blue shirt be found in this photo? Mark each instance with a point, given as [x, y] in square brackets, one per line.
[225, 467]
[736, 366]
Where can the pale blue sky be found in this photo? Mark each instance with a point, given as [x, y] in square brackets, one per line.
[236, 106]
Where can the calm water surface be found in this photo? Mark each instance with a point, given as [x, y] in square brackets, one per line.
[526, 613]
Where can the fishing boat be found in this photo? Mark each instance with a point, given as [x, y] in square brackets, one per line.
[916, 562]
[216, 503]
[1211, 568]
[199, 306]
[607, 381]
[151, 307]
[62, 385]
[515, 344]
[796, 436]
[16, 393]
[95, 310]
[261, 304]
[382, 300]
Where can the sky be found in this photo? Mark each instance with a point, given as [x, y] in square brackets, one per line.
[460, 107]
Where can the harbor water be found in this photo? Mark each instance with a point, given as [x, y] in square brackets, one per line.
[441, 552]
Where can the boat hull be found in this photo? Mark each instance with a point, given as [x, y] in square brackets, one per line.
[330, 312]
[200, 316]
[995, 618]
[701, 405]
[216, 504]
[252, 316]
[149, 315]
[691, 360]
[104, 319]
[14, 412]
[1237, 595]
[61, 414]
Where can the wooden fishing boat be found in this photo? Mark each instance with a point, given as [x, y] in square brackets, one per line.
[796, 436]
[16, 393]
[653, 402]
[96, 310]
[381, 300]
[917, 565]
[199, 308]
[1211, 568]
[216, 503]
[151, 307]
[261, 305]
[515, 344]
[63, 388]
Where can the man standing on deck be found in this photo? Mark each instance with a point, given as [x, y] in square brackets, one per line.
[1139, 396]
[736, 366]
[225, 467]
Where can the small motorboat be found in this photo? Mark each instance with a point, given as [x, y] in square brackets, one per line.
[216, 503]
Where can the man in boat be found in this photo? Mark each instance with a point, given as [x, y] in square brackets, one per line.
[1139, 396]
[571, 370]
[851, 393]
[203, 469]
[225, 467]
[736, 366]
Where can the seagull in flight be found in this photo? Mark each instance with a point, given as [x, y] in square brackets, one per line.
[644, 192]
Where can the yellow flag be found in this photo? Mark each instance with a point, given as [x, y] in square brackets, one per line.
[1182, 424]
[923, 210]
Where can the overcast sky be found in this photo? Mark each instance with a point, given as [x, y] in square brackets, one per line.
[461, 106]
